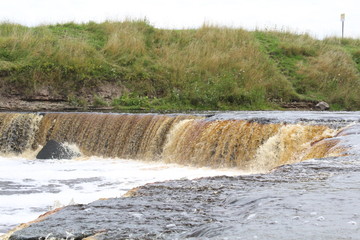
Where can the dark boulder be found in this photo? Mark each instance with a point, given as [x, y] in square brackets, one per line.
[56, 150]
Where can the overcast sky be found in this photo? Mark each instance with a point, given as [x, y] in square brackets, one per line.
[320, 18]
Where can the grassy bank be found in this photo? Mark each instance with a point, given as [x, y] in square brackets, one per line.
[134, 65]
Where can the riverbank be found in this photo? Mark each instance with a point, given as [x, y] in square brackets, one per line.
[131, 65]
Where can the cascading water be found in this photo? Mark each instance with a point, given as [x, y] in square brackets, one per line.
[182, 139]
[246, 145]
[242, 142]
[109, 135]
[17, 131]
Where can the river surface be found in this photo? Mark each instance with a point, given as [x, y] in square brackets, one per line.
[29, 188]
[316, 199]
[313, 199]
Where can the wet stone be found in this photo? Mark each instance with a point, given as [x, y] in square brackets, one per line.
[56, 150]
[278, 205]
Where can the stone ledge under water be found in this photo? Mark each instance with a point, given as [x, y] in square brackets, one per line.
[313, 199]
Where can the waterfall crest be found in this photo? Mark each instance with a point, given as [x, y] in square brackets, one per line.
[182, 139]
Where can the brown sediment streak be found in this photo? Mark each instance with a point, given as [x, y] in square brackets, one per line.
[188, 140]
[326, 148]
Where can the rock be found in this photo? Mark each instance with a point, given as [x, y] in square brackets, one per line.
[322, 106]
[301, 105]
[25, 225]
[56, 150]
[209, 208]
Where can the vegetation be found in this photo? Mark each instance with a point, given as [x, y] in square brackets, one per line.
[206, 68]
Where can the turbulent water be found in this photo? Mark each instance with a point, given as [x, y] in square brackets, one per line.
[301, 200]
[28, 188]
[255, 144]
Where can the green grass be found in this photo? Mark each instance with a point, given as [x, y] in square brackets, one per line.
[325, 70]
[207, 68]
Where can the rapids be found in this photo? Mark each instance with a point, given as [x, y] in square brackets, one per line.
[28, 188]
[289, 175]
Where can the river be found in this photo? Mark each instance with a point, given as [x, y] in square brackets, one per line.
[234, 175]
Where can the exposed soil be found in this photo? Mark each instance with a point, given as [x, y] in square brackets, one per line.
[40, 103]
[16, 104]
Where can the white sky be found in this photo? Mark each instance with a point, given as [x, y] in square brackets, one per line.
[320, 18]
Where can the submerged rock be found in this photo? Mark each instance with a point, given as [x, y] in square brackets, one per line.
[282, 205]
[56, 150]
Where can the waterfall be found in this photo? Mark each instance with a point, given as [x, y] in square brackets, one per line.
[17, 131]
[182, 139]
[109, 135]
[247, 145]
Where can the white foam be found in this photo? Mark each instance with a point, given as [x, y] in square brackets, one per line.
[56, 183]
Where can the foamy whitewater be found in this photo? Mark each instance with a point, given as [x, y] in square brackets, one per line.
[29, 188]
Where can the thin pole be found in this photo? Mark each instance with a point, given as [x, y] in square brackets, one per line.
[342, 18]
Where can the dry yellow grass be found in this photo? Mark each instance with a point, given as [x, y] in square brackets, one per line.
[210, 67]
[123, 39]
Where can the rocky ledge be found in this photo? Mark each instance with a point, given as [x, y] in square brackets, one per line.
[43, 101]
[42, 105]
[280, 205]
